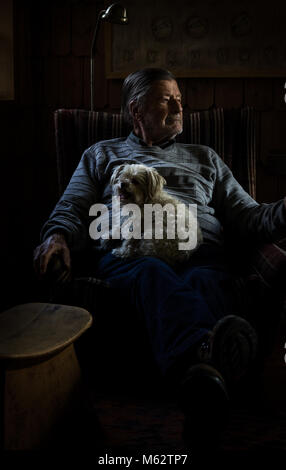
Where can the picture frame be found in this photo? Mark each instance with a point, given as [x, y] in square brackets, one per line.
[210, 39]
[6, 51]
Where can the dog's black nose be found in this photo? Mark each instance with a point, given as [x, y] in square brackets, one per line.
[123, 185]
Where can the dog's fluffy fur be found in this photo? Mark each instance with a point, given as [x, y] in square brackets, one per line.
[140, 184]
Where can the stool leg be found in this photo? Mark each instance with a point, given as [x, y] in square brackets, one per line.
[37, 399]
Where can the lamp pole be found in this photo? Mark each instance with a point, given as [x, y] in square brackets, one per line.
[115, 13]
[92, 52]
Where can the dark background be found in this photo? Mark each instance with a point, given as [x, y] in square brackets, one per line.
[52, 44]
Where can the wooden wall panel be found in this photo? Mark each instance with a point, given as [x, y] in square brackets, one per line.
[41, 27]
[279, 92]
[37, 70]
[229, 92]
[86, 86]
[200, 93]
[281, 186]
[70, 82]
[259, 93]
[83, 24]
[273, 129]
[50, 81]
[115, 94]
[23, 51]
[61, 32]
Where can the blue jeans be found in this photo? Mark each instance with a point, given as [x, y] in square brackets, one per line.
[178, 306]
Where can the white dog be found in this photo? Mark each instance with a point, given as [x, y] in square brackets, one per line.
[170, 222]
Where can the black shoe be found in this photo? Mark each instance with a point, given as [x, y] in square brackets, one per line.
[204, 401]
[231, 348]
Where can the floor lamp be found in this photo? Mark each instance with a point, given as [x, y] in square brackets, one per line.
[115, 13]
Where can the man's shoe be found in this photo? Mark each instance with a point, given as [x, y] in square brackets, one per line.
[203, 398]
[231, 348]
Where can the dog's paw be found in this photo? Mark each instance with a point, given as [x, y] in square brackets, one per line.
[116, 252]
[120, 253]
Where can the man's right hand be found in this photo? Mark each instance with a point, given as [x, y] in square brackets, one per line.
[54, 247]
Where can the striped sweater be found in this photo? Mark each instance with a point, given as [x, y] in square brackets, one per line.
[195, 174]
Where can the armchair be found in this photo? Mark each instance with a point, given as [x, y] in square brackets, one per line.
[232, 134]
[261, 272]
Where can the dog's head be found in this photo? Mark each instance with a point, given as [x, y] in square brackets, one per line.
[136, 183]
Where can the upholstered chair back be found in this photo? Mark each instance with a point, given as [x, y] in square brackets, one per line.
[231, 133]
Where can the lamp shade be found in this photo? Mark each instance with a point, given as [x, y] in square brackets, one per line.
[115, 13]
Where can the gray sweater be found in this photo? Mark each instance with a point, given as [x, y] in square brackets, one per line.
[195, 174]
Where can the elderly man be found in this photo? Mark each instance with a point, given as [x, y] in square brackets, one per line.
[195, 332]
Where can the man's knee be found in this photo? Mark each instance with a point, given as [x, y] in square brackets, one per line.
[152, 265]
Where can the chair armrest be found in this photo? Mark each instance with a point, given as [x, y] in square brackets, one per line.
[269, 263]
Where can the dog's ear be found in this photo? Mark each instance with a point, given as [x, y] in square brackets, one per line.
[155, 183]
[116, 172]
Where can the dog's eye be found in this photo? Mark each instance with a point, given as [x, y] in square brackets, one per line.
[134, 181]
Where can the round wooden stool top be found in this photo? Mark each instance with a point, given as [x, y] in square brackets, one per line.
[35, 330]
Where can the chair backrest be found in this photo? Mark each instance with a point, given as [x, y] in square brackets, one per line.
[231, 133]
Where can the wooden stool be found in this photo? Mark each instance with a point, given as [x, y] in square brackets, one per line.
[40, 374]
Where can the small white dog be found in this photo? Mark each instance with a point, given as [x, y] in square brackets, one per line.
[170, 222]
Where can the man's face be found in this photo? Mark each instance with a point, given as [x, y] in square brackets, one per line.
[161, 116]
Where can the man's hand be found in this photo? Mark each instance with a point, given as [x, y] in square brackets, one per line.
[54, 247]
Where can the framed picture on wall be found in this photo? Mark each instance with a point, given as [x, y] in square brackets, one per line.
[210, 38]
[6, 50]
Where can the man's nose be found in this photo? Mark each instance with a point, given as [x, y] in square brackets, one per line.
[176, 106]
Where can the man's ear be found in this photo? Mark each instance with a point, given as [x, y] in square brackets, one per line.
[134, 110]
